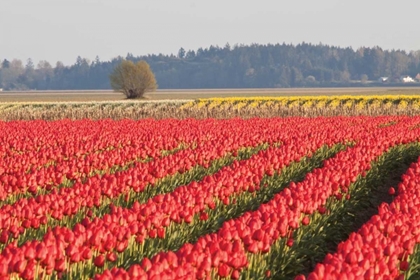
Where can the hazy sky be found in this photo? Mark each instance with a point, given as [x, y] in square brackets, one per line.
[60, 30]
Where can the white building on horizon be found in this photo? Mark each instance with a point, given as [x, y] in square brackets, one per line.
[407, 79]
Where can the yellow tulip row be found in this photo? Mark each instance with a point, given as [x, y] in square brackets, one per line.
[346, 101]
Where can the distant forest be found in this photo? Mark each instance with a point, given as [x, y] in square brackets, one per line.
[240, 66]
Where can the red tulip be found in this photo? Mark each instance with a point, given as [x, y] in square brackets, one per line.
[112, 257]
[389, 250]
[121, 246]
[204, 216]
[99, 261]
[19, 267]
[146, 264]
[223, 270]
[391, 191]
[161, 232]
[87, 254]
[136, 271]
[41, 252]
[404, 265]
[30, 253]
[60, 265]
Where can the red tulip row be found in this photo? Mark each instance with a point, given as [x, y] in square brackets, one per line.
[63, 173]
[230, 249]
[55, 168]
[383, 247]
[54, 173]
[45, 142]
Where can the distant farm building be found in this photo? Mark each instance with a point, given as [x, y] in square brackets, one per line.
[407, 79]
[417, 78]
[383, 79]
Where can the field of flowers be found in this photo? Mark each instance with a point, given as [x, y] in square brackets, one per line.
[257, 198]
[218, 108]
[314, 105]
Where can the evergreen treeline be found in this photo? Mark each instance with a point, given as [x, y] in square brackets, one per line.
[254, 66]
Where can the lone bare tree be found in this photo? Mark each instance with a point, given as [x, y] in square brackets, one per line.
[133, 79]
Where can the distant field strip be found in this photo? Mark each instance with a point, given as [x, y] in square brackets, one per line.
[312, 101]
[217, 107]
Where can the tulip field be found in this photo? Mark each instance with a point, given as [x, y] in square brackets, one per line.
[218, 107]
[257, 198]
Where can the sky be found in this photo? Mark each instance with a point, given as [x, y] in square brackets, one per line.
[61, 30]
